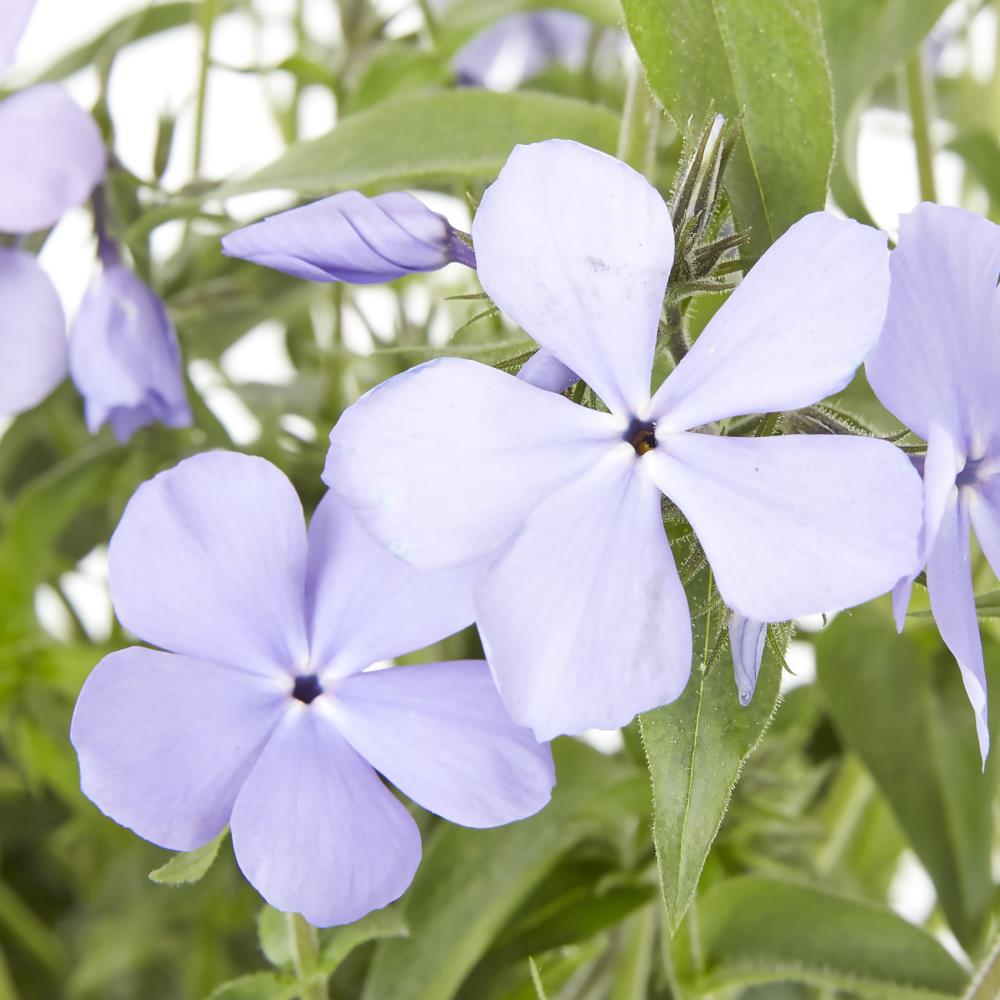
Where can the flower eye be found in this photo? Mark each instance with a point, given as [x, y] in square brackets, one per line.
[641, 434]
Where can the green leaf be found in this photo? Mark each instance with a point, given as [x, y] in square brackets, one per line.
[981, 154]
[760, 930]
[472, 881]
[452, 134]
[257, 986]
[272, 936]
[865, 40]
[898, 702]
[130, 28]
[36, 519]
[189, 866]
[985, 983]
[386, 923]
[763, 59]
[696, 748]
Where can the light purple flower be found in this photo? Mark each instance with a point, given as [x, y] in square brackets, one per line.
[746, 642]
[521, 46]
[937, 368]
[51, 157]
[13, 21]
[581, 610]
[32, 333]
[124, 357]
[348, 237]
[262, 715]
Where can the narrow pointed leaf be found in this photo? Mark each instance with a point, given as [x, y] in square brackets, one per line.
[763, 59]
[188, 866]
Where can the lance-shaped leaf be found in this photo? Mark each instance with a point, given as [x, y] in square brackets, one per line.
[696, 748]
[898, 703]
[432, 136]
[471, 882]
[763, 59]
[760, 930]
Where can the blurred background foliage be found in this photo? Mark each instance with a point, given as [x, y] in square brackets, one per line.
[855, 855]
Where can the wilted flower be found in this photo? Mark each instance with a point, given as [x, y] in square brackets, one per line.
[123, 354]
[263, 715]
[581, 609]
[937, 368]
[348, 237]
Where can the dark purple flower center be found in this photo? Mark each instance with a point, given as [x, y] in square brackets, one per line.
[641, 434]
[307, 688]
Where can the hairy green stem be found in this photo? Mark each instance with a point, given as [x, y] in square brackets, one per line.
[918, 94]
[640, 124]
[986, 982]
[305, 957]
[206, 22]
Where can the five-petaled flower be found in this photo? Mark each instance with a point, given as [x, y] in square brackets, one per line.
[937, 368]
[264, 716]
[579, 604]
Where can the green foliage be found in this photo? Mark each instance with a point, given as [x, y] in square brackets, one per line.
[899, 704]
[431, 137]
[190, 866]
[763, 60]
[758, 930]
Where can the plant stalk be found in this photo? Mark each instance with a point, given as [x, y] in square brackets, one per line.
[640, 124]
[919, 98]
[305, 957]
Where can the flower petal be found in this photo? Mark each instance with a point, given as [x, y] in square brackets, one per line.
[348, 237]
[795, 525]
[938, 359]
[949, 583]
[544, 370]
[124, 357]
[794, 331]
[209, 560]
[165, 742]
[583, 617]
[984, 512]
[440, 733]
[363, 604]
[746, 641]
[15, 19]
[443, 462]
[51, 156]
[32, 333]
[316, 832]
[576, 247]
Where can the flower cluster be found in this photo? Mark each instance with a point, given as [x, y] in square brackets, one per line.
[123, 354]
[459, 493]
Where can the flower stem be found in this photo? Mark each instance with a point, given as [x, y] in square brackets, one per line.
[305, 957]
[986, 981]
[430, 21]
[918, 94]
[207, 25]
[640, 124]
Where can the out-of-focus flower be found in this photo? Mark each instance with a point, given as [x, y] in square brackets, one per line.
[123, 354]
[348, 237]
[263, 715]
[51, 156]
[32, 333]
[937, 368]
[521, 46]
[581, 609]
